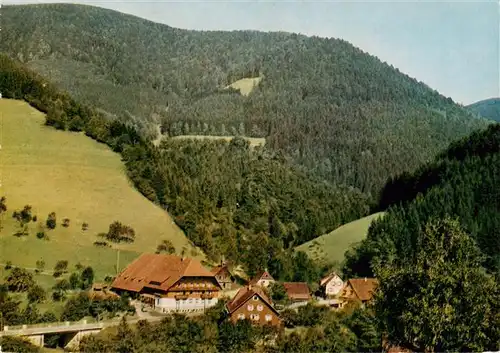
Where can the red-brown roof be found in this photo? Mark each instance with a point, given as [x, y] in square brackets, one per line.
[363, 287]
[262, 275]
[297, 290]
[158, 271]
[244, 294]
[215, 271]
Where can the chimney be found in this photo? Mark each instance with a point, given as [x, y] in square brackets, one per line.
[365, 279]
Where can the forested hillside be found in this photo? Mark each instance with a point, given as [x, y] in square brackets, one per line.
[488, 108]
[334, 110]
[248, 204]
[463, 182]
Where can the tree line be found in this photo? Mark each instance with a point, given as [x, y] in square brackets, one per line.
[463, 181]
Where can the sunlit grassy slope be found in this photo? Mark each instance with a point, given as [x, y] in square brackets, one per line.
[330, 248]
[254, 141]
[78, 178]
[245, 85]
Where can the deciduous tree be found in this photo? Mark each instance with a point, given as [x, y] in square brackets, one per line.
[441, 299]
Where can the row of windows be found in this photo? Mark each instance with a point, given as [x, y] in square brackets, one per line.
[196, 300]
[250, 307]
[255, 317]
[190, 301]
[190, 285]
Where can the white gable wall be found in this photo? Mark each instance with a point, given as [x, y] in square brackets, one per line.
[334, 286]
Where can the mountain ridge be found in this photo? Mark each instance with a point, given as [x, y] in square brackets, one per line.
[487, 108]
[334, 110]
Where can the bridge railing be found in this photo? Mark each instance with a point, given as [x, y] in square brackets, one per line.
[51, 324]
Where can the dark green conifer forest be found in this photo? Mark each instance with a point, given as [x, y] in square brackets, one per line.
[346, 135]
[335, 111]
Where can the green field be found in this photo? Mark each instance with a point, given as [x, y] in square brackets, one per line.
[245, 85]
[77, 178]
[254, 141]
[330, 248]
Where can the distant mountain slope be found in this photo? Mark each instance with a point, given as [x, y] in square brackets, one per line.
[488, 108]
[462, 182]
[336, 111]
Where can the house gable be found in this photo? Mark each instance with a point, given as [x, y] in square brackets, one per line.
[332, 284]
[263, 280]
[251, 303]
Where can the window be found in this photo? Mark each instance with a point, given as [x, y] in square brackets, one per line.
[255, 297]
[250, 307]
[241, 316]
[260, 307]
[255, 317]
[269, 317]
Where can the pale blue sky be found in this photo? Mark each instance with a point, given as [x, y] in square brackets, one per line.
[453, 46]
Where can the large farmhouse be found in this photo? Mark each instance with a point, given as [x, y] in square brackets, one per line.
[169, 283]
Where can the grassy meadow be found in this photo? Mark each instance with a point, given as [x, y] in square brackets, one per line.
[245, 85]
[254, 141]
[79, 179]
[330, 248]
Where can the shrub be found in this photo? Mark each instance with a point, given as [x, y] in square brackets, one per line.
[119, 232]
[19, 280]
[166, 246]
[61, 266]
[62, 285]
[40, 265]
[85, 226]
[8, 265]
[101, 243]
[87, 277]
[74, 281]
[58, 295]
[36, 294]
[65, 222]
[51, 220]
[41, 234]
